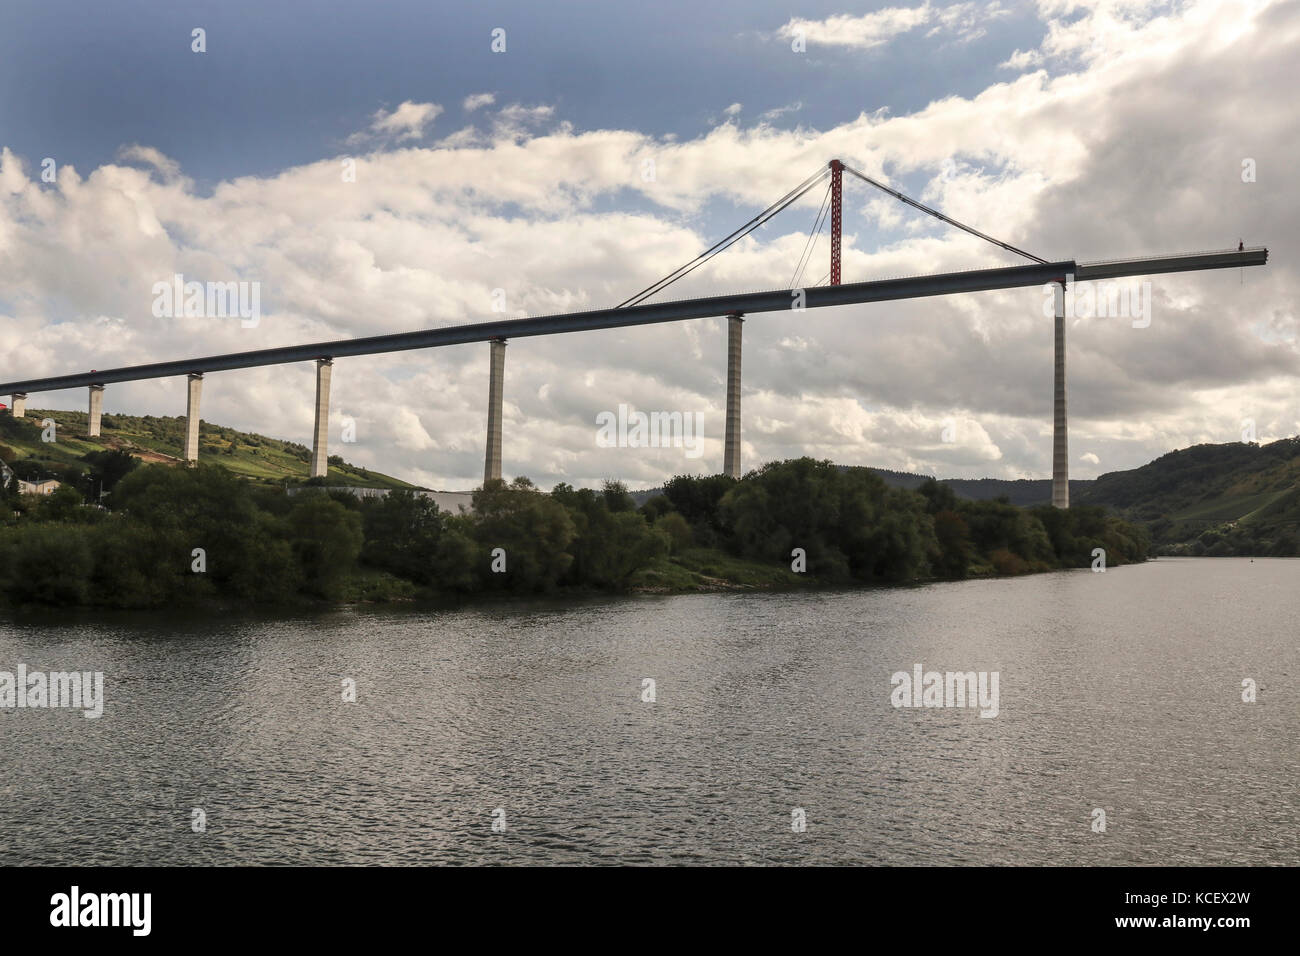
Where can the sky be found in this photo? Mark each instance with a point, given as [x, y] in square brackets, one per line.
[381, 167]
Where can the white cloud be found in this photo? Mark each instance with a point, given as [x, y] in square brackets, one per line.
[966, 22]
[517, 121]
[963, 22]
[1022, 60]
[477, 100]
[409, 121]
[860, 32]
[1136, 152]
[779, 111]
[167, 167]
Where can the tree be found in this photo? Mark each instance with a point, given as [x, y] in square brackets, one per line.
[107, 468]
[326, 537]
[609, 543]
[847, 521]
[953, 537]
[532, 529]
[698, 500]
[938, 496]
[63, 504]
[616, 497]
[46, 564]
[678, 531]
[406, 535]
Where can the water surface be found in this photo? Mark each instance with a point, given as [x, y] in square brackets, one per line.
[1119, 691]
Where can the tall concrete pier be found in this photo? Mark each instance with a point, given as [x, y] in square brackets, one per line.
[19, 404]
[96, 410]
[731, 443]
[192, 416]
[496, 390]
[1060, 433]
[320, 453]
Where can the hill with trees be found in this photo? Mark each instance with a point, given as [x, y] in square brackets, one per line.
[1215, 500]
[1026, 492]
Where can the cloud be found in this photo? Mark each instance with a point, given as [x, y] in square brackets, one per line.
[167, 167]
[966, 22]
[1090, 458]
[860, 32]
[409, 121]
[517, 121]
[1131, 153]
[1022, 60]
[477, 100]
[780, 111]
[962, 21]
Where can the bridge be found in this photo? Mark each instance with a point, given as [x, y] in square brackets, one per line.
[636, 311]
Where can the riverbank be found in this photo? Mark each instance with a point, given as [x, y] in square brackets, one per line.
[203, 537]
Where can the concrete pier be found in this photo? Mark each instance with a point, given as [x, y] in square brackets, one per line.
[19, 404]
[1060, 432]
[192, 416]
[731, 443]
[496, 390]
[320, 453]
[96, 411]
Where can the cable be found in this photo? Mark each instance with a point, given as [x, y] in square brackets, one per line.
[810, 246]
[727, 242]
[803, 256]
[816, 242]
[938, 215]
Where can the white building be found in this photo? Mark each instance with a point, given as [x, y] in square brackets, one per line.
[46, 486]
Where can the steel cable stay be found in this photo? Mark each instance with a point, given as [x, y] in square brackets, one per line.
[830, 203]
[727, 242]
[940, 216]
[811, 245]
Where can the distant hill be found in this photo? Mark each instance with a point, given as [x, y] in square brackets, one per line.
[1025, 492]
[1215, 500]
[160, 440]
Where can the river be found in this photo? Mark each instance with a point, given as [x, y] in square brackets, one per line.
[523, 732]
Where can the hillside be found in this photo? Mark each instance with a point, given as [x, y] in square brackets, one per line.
[1023, 492]
[160, 440]
[1214, 500]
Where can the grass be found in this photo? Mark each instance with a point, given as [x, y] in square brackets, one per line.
[160, 440]
[1227, 508]
[708, 569]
